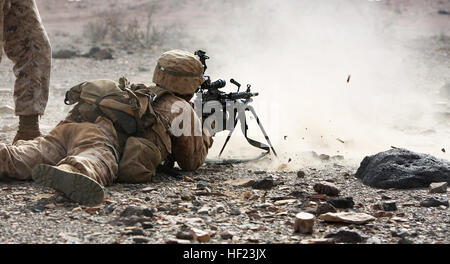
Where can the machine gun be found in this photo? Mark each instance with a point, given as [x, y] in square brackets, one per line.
[232, 107]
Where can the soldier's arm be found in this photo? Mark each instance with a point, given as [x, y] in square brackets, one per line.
[191, 148]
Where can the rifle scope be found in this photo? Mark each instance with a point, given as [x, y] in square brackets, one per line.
[214, 85]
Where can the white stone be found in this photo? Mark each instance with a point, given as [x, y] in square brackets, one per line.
[304, 223]
[347, 217]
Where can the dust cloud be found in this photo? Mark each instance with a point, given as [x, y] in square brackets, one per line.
[334, 77]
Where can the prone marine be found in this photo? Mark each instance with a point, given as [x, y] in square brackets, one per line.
[97, 144]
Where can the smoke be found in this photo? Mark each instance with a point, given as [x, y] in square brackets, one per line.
[334, 77]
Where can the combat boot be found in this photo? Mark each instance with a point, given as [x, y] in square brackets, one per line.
[68, 180]
[28, 128]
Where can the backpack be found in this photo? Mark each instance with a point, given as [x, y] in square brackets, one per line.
[128, 106]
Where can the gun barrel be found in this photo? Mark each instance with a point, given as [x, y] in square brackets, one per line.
[242, 95]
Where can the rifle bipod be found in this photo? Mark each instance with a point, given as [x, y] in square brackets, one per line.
[244, 127]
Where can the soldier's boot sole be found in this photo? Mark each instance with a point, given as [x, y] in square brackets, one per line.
[75, 186]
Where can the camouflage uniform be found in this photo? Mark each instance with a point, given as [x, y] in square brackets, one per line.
[26, 43]
[89, 147]
[93, 147]
[188, 151]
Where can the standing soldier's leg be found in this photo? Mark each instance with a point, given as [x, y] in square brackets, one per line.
[91, 162]
[27, 45]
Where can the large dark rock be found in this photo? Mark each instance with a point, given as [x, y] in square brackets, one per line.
[402, 169]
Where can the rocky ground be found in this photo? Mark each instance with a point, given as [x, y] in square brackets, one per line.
[257, 207]
[217, 203]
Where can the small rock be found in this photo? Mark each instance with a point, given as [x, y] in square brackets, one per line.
[304, 223]
[400, 234]
[64, 54]
[385, 197]
[263, 183]
[148, 189]
[434, 202]
[177, 241]
[377, 207]
[326, 188]
[133, 220]
[324, 208]
[374, 240]
[320, 241]
[138, 232]
[383, 214]
[405, 241]
[247, 195]
[204, 210]
[184, 235]
[93, 210]
[399, 219]
[110, 208]
[99, 54]
[311, 204]
[390, 206]
[5, 215]
[147, 225]
[187, 179]
[438, 187]
[285, 202]
[220, 208]
[342, 203]
[199, 235]
[322, 197]
[246, 182]
[235, 211]
[346, 236]
[77, 209]
[301, 174]
[140, 240]
[253, 239]
[347, 217]
[203, 185]
[135, 210]
[299, 194]
[226, 235]
[50, 206]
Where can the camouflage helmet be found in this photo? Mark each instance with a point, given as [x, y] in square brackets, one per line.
[179, 71]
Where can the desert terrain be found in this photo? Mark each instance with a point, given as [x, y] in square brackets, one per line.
[222, 203]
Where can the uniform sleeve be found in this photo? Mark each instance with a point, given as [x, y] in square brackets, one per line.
[190, 143]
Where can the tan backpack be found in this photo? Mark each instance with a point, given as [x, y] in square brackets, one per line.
[129, 106]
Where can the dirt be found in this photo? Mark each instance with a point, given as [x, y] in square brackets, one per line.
[201, 199]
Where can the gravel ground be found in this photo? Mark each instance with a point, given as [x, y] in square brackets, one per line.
[165, 211]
